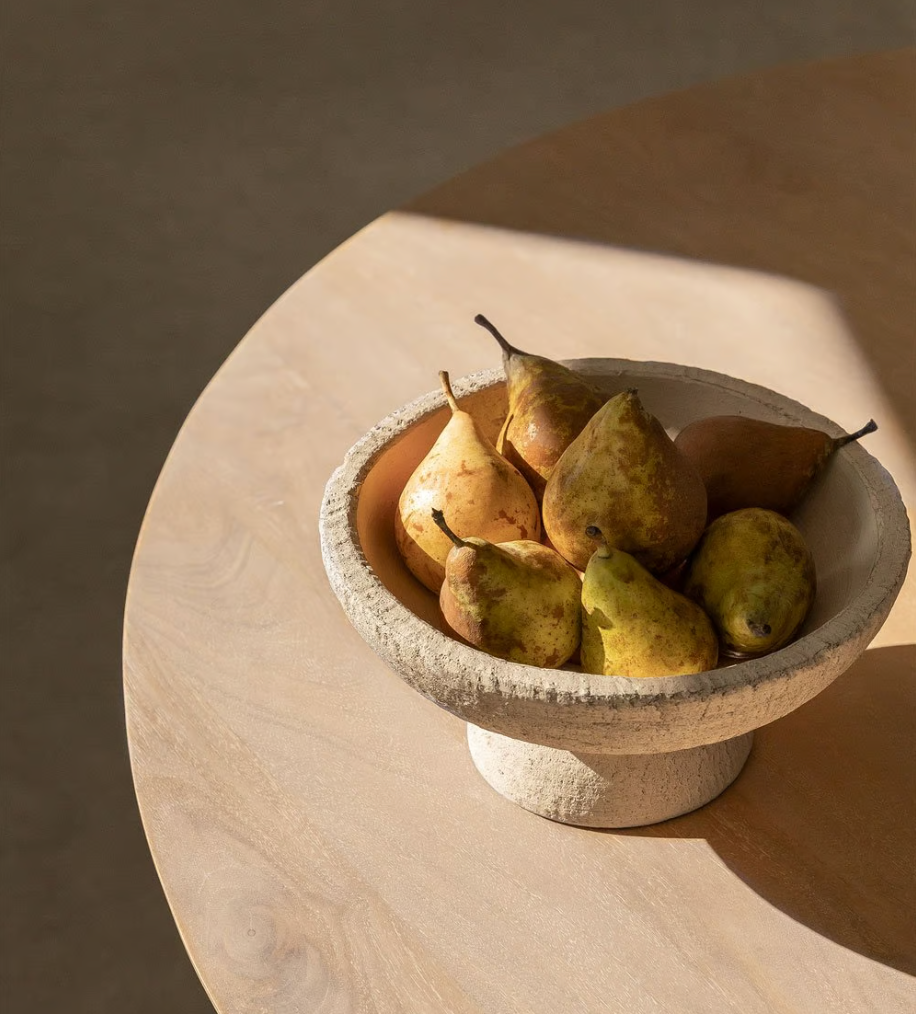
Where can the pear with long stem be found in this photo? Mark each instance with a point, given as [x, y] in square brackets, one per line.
[752, 463]
[549, 405]
[480, 493]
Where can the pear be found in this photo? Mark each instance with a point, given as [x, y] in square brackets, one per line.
[549, 406]
[481, 493]
[633, 625]
[752, 463]
[624, 474]
[754, 576]
[518, 600]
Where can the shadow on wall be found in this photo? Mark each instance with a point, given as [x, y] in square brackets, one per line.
[851, 875]
[788, 173]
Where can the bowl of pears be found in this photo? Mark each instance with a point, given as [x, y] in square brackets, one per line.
[612, 571]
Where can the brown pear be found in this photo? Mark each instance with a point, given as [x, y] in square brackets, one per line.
[751, 463]
[549, 406]
[624, 474]
[517, 600]
[480, 492]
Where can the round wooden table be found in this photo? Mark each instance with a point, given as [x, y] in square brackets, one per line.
[324, 840]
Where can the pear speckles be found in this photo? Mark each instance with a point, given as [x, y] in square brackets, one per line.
[624, 474]
[597, 468]
[754, 576]
[518, 600]
[479, 491]
[633, 625]
[549, 405]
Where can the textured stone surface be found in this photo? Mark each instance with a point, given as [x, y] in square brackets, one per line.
[606, 790]
[611, 714]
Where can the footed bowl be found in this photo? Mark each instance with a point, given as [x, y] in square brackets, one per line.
[613, 751]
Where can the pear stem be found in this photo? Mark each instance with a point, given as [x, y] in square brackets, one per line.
[594, 532]
[508, 350]
[447, 388]
[439, 518]
[869, 427]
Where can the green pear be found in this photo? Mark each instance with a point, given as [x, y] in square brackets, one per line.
[624, 474]
[518, 600]
[633, 625]
[755, 577]
[481, 493]
[549, 406]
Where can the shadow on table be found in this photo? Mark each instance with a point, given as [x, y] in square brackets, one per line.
[846, 762]
[791, 173]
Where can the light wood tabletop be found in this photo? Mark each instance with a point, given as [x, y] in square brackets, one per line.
[323, 838]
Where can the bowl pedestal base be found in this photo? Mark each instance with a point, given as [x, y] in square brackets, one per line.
[606, 790]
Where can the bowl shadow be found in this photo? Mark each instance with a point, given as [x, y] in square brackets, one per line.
[821, 823]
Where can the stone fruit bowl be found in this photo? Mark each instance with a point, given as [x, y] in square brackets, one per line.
[612, 751]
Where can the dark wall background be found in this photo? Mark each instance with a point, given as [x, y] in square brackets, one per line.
[169, 168]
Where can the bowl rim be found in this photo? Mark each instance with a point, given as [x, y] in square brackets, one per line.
[371, 607]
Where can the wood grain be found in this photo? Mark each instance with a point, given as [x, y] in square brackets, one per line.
[322, 836]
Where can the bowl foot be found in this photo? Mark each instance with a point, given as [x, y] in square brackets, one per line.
[606, 790]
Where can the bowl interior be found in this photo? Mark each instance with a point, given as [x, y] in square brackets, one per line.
[837, 517]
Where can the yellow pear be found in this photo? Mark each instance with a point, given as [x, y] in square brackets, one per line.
[480, 492]
[633, 625]
[517, 600]
[754, 575]
[624, 474]
[549, 405]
